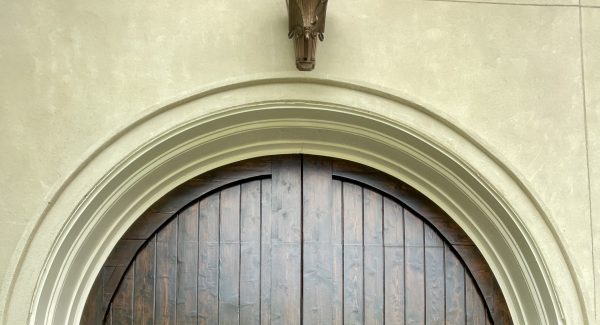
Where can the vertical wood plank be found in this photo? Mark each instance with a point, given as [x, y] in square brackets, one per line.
[373, 250]
[317, 244]
[286, 240]
[187, 265]
[474, 303]
[414, 269]
[122, 306]
[229, 268]
[250, 253]
[353, 254]
[265, 259]
[144, 285]
[393, 238]
[166, 274]
[434, 278]
[111, 276]
[208, 260]
[455, 289]
[93, 311]
[338, 255]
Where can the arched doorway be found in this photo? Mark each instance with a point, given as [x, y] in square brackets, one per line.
[295, 239]
[226, 123]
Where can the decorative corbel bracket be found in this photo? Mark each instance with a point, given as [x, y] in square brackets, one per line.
[306, 24]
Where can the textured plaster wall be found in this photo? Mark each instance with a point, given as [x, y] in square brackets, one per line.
[591, 59]
[510, 73]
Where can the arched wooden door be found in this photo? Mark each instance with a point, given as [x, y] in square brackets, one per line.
[291, 240]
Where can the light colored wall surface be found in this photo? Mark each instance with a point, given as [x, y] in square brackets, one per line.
[510, 75]
[591, 51]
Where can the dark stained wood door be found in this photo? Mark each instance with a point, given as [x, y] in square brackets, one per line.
[300, 242]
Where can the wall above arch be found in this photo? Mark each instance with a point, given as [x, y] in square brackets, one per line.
[270, 116]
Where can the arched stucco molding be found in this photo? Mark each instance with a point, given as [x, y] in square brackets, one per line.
[243, 120]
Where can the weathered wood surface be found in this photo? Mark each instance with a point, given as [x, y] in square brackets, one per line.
[266, 266]
[166, 274]
[187, 265]
[250, 223]
[229, 266]
[455, 288]
[122, 306]
[393, 239]
[286, 241]
[415, 269]
[337, 238]
[318, 245]
[434, 278]
[353, 254]
[373, 257]
[300, 246]
[143, 296]
[208, 260]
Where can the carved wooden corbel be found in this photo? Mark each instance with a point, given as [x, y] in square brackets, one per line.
[306, 25]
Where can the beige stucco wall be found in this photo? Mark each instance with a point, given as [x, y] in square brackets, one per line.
[522, 78]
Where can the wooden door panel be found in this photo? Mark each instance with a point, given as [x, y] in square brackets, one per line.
[250, 254]
[434, 278]
[298, 245]
[373, 273]
[187, 264]
[337, 236]
[393, 238]
[143, 283]
[165, 280]
[286, 241]
[353, 253]
[122, 305]
[318, 242]
[208, 260]
[414, 267]
[266, 265]
[229, 257]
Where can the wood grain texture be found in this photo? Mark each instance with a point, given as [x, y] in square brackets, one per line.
[250, 224]
[353, 253]
[286, 241]
[406, 194]
[434, 278]
[304, 246]
[265, 253]
[373, 258]
[209, 181]
[393, 238]
[123, 252]
[337, 237]
[317, 241]
[434, 215]
[474, 304]
[122, 306]
[144, 285]
[229, 267]
[414, 269]
[455, 289]
[111, 277]
[187, 265]
[166, 274]
[208, 260]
